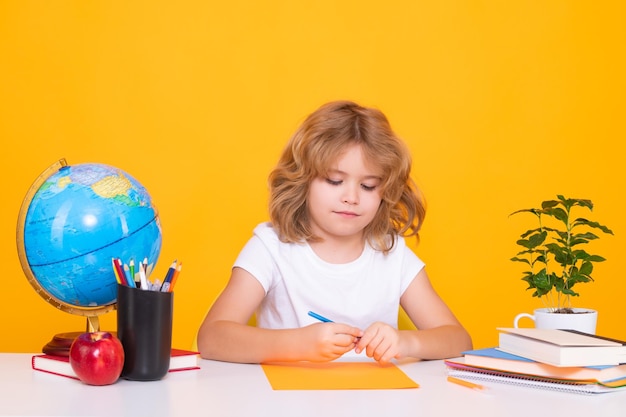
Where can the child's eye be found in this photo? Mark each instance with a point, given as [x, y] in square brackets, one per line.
[368, 187]
[333, 182]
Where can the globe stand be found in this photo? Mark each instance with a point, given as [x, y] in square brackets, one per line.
[61, 342]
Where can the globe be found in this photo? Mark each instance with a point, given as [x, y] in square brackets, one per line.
[74, 220]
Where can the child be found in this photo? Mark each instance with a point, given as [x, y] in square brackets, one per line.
[341, 203]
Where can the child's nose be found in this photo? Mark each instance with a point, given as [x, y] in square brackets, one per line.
[351, 195]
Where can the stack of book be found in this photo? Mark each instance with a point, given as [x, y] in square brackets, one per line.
[563, 360]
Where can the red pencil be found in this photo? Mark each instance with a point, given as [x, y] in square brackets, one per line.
[120, 271]
[117, 275]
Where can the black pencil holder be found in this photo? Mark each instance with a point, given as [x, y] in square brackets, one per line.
[144, 326]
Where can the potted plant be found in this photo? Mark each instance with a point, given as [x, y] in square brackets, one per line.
[554, 255]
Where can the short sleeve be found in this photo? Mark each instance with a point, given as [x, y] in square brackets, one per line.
[411, 265]
[256, 259]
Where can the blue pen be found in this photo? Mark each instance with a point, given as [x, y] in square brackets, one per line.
[320, 318]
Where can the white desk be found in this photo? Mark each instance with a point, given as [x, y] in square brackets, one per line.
[226, 389]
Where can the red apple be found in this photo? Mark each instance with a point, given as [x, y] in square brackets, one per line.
[97, 358]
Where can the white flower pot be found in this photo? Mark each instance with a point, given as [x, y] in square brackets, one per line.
[582, 319]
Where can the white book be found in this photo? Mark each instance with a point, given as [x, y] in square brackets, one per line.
[562, 347]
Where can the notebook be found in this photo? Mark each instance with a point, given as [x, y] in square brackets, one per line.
[494, 358]
[587, 387]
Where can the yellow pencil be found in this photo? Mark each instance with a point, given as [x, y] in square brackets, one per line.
[467, 384]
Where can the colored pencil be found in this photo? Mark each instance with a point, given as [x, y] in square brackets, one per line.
[120, 271]
[129, 279]
[175, 277]
[117, 275]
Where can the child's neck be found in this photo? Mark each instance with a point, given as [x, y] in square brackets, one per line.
[338, 251]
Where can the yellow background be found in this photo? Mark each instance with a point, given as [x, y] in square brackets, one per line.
[503, 104]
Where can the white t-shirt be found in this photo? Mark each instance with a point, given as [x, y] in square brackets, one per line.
[297, 281]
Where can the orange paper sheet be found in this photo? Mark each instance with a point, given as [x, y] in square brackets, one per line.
[336, 375]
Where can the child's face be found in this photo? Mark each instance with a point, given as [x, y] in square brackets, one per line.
[343, 204]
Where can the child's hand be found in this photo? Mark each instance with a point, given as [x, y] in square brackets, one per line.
[381, 342]
[328, 341]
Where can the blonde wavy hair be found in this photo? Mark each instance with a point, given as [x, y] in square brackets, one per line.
[314, 149]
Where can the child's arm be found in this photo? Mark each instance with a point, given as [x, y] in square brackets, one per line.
[224, 335]
[440, 334]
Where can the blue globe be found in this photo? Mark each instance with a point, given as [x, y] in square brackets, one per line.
[73, 222]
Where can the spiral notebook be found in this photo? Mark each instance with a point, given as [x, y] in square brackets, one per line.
[588, 387]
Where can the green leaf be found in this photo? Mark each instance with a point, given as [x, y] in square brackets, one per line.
[568, 291]
[584, 203]
[558, 213]
[586, 235]
[532, 210]
[586, 268]
[582, 221]
[580, 254]
[548, 204]
[516, 259]
[575, 242]
[532, 243]
[542, 281]
[537, 239]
